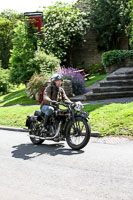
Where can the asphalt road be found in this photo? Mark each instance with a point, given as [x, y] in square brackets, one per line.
[52, 171]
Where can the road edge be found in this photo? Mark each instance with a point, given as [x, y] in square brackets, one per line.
[93, 133]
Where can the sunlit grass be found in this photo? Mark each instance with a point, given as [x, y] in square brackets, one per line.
[112, 119]
[16, 96]
[94, 78]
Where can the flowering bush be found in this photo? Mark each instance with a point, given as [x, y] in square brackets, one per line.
[64, 25]
[78, 80]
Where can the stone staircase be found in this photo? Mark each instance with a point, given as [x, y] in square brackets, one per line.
[118, 84]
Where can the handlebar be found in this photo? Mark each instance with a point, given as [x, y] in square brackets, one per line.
[66, 104]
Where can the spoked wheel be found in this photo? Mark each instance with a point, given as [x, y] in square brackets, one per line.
[78, 133]
[33, 131]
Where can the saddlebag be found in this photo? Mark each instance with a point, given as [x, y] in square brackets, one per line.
[30, 119]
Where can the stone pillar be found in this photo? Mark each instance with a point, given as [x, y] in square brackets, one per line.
[67, 86]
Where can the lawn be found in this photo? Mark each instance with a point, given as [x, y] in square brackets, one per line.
[94, 78]
[112, 119]
[16, 96]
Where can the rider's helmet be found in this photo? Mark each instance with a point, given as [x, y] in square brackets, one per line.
[56, 77]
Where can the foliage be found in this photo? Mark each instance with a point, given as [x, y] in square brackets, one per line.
[130, 27]
[94, 68]
[5, 85]
[24, 46]
[108, 19]
[5, 41]
[36, 84]
[64, 25]
[78, 80]
[8, 20]
[45, 63]
[11, 15]
[115, 56]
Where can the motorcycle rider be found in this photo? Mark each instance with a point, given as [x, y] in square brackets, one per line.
[53, 93]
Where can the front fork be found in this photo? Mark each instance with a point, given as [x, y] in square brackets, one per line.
[73, 119]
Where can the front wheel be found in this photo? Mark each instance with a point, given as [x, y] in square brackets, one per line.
[78, 133]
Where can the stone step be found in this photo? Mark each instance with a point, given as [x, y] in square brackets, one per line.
[116, 83]
[124, 70]
[108, 95]
[112, 89]
[120, 77]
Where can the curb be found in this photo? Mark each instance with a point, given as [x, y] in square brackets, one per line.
[93, 133]
[13, 129]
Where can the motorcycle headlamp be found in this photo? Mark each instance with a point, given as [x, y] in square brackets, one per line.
[78, 106]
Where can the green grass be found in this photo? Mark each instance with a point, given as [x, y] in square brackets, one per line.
[15, 116]
[17, 96]
[112, 119]
[94, 78]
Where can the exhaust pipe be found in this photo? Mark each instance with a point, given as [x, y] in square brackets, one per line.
[48, 138]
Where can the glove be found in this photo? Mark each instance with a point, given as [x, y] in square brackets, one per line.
[53, 103]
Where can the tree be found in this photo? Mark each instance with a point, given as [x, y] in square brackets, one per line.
[130, 27]
[24, 47]
[108, 19]
[11, 15]
[8, 19]
[64, 25]
[5, 41]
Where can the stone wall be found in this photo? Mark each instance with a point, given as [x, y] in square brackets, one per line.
[67, 86]
[126, 63]
[87, 53]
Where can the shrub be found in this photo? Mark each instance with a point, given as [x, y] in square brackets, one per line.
[108, 19]
[64, 25]
[45, 63]
[24, 47]
[94, 68]
[78, 80]
[35, 85]
[115, 56]
[5, 85]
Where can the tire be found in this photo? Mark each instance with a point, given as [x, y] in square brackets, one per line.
[36, 141]
[82, 131]
[33, 132]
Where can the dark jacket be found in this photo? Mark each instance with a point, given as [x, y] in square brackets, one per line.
[54, 93]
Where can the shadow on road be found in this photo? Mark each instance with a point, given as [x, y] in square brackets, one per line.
[29, 151]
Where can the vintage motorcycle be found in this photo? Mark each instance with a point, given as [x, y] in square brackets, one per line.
[70, 124]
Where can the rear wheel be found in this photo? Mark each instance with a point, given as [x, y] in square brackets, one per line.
[78, 133]
[33, 131]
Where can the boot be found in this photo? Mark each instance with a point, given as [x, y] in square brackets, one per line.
[45, 123]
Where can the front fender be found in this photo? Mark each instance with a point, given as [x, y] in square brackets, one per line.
[84, 116]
